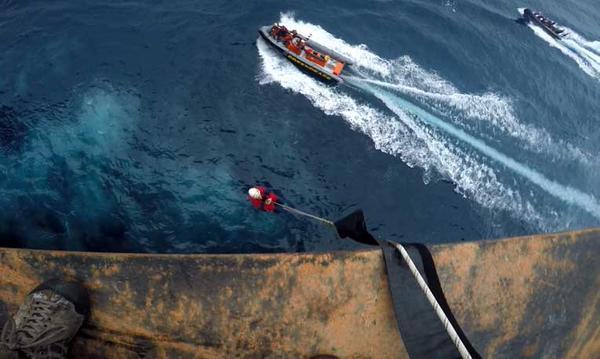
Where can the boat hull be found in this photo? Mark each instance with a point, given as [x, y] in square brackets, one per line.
[299, 62]
[528, 15]
[511, 297]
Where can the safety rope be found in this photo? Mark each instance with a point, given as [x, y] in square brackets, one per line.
[462, 349]
[301, 213]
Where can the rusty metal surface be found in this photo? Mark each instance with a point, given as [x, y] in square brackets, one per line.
[531, 297]
[211, 306]
[523, 297]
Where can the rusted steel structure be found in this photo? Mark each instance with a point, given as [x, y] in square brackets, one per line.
[536, 296]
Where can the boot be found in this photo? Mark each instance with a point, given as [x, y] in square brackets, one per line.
[46, 322]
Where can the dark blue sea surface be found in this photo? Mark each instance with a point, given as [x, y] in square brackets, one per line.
[139, 126]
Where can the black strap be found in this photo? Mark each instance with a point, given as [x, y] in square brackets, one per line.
[422, 332]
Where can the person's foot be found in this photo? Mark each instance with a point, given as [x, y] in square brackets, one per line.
[46, 322]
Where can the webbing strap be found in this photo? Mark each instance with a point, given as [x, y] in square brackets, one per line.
[419, 311]
[464, 353]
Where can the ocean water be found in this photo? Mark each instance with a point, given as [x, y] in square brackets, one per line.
[139, 126]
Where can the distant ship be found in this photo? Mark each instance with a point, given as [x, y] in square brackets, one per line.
[546, 24]
[308, 55]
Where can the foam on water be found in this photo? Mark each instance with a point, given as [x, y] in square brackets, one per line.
[567, 194]
[575, 42]
[584, 52]
[592, 45]
[489, 108]
[360, 53]
[573, 51]
[405, 76]
[388, 135]
[415, 144]
[422, 139]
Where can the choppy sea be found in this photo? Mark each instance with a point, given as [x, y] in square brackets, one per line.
[139, 126]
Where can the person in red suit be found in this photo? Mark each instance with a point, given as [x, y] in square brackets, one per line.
[260, 200]
[256, 195]
[270, 201]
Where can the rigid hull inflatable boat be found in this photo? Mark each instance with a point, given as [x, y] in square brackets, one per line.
[308, 55]
[546, 24]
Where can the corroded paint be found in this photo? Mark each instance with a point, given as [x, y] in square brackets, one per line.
[221, 305]
[527, 296]
[522, 297]
[586, 337]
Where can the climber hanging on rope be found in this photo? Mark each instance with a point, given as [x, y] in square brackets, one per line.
[261, 200]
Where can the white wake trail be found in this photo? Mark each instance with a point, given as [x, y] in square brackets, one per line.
[583, 52]
[388, 135]
[589, 55]
[435, 144]
[404, 75]
[593, 46]
[567, 194]
[416, 145]
[489, 108]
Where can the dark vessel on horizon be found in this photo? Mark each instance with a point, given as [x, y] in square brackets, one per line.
[546, 24]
